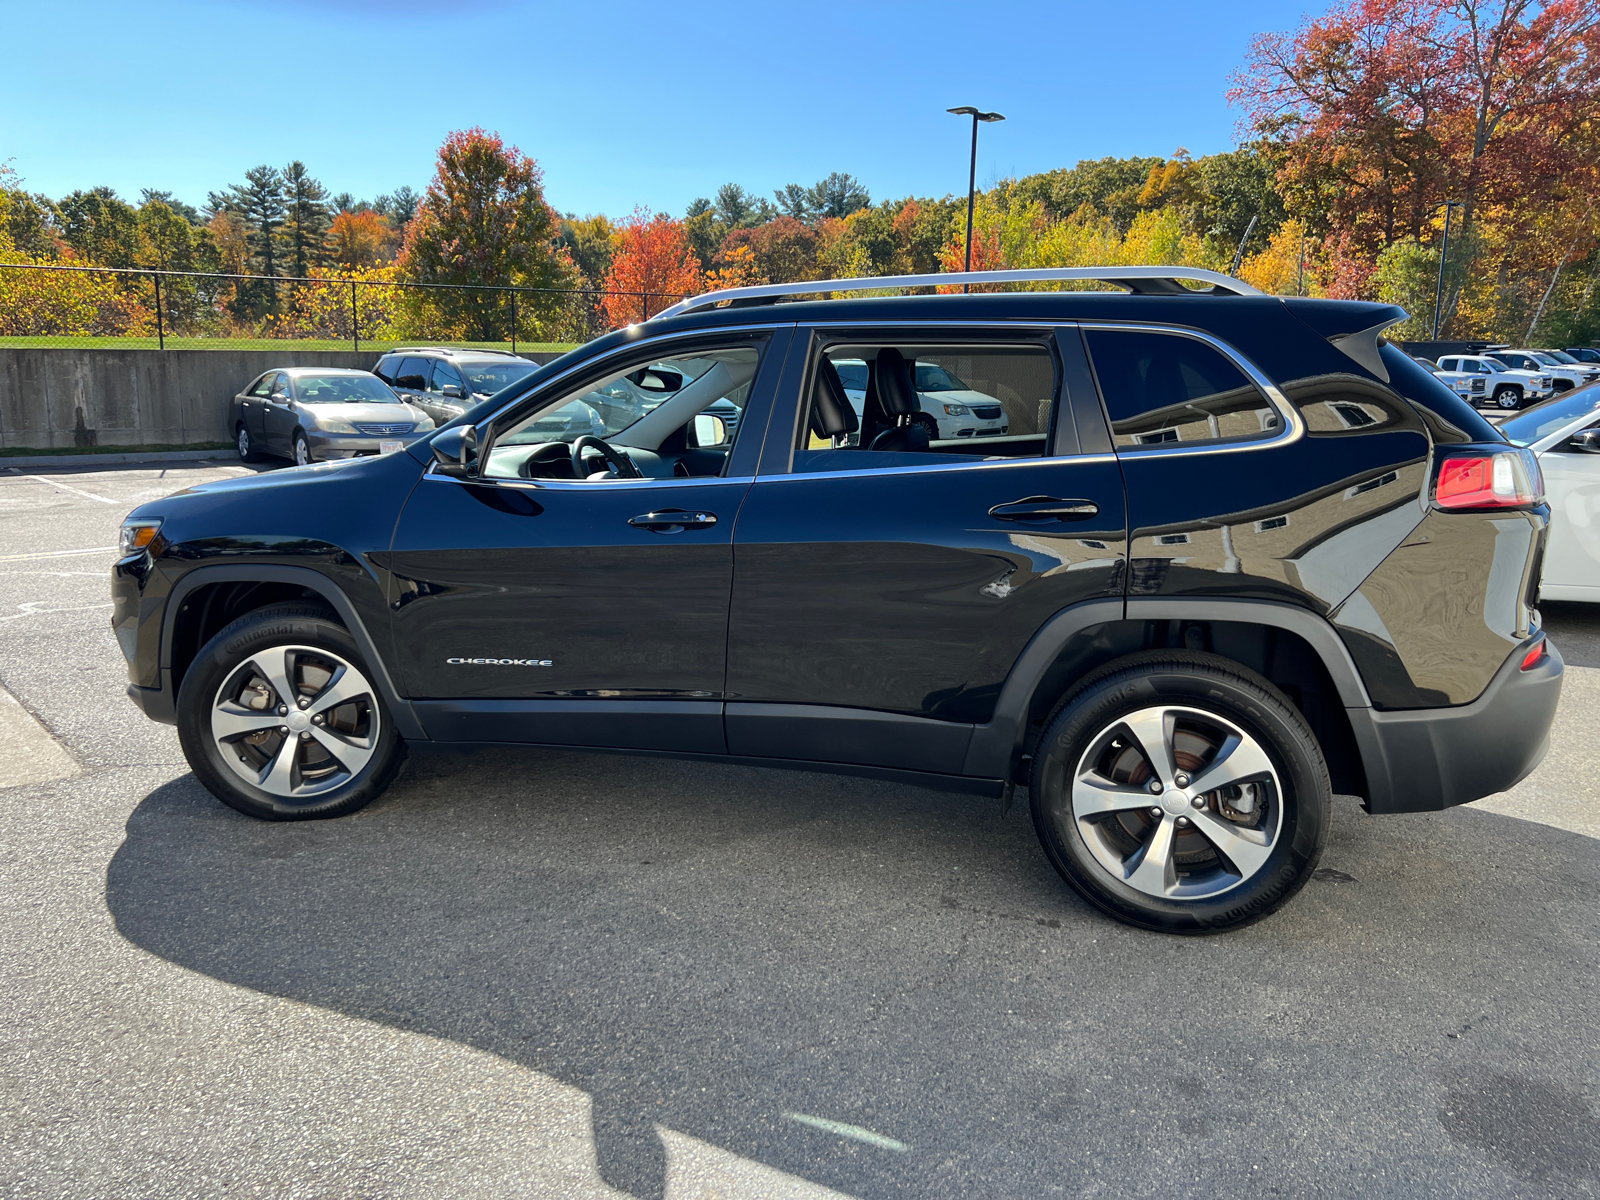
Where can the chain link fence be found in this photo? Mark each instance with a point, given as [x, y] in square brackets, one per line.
[48, 305]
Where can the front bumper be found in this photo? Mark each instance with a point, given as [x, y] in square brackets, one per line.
[1427, 759]
[343, 445]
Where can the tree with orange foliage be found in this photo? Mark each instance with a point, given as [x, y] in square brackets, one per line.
[1383, 109]
[654, 266]
[360, 239]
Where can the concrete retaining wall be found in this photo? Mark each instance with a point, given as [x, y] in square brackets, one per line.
[55, 399]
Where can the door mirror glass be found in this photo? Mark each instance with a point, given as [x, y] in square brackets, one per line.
[709, 430]
[455, 452]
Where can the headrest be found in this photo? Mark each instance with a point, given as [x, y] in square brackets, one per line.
[895, 392]
[831, 414]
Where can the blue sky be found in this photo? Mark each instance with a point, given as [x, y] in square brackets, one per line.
[622, 103]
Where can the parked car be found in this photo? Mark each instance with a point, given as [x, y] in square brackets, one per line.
[1253, 556]
[947, 407]
[1564, 371]
[313, 413]
[1583, 354]
[1506, 386]
[444, 382]
[1564, 433]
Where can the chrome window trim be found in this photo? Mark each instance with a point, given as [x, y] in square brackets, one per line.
[947, 465]
[1294, 427]
[561, 485]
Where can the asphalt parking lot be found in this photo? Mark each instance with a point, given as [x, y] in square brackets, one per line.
[536, 974]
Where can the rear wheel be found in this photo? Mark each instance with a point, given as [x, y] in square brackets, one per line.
[1181, 793]
[247, 449]
[279, 718]
[1508, 395]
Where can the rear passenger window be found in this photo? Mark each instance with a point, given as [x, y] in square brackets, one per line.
[1162, 388]
[880, 404]
[412, 373]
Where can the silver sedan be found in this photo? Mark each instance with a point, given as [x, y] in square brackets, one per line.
[311, 413]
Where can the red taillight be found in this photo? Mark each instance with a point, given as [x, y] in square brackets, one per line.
[1535, 656]
[1509, 479]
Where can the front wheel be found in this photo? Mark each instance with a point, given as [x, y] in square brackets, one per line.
[279, 718]
[928, 426]
[1508, 396]
[1181, 793]
[302, 449]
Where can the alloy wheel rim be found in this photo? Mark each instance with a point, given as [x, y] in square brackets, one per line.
[302, 452]
[1177, 802]
[296, 721]
[244, 443]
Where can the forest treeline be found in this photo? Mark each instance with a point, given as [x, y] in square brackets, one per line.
[1358, 129]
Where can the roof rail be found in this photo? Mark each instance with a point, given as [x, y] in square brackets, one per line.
[1144, 281]
[448, 350]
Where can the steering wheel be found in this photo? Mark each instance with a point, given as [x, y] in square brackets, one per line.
[619, 463]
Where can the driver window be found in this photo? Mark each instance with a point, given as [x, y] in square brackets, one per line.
[666, 418]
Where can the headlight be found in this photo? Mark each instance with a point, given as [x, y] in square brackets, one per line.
[136, 535]
[334, 425]
[423, 426]
[956, 410]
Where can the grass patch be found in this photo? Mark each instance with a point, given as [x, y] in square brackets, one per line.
[29, 451]
[284, 344]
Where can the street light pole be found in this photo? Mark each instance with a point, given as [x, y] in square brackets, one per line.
[967, 110]
[1444, 255]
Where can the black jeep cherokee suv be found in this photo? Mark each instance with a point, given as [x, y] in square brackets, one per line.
[1234, 554]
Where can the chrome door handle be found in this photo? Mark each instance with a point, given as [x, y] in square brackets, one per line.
[673, 520]
[1045, 508]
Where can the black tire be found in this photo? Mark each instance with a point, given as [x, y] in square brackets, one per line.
[246, 445]
[224, 660]
[302, 449]
[1296, 795]
[1508, 396]
[928, 425]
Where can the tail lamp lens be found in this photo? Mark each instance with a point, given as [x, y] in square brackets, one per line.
[1536, 655]
[1509, 479]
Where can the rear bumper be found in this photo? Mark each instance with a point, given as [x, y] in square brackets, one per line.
[155, 703]
[1426, 759]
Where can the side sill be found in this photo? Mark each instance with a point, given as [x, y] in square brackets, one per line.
[936, 781]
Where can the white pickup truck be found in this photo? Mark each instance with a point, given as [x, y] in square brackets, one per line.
[1480, 376]
[1565, 371]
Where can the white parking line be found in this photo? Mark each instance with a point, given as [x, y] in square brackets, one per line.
[56, 483]
[55, 553]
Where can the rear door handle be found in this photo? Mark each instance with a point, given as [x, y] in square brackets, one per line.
[1044, 508]
[673, 520]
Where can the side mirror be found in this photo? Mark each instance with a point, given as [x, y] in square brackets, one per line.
[278, 398]
[1587, 440]
[455, 452]
[709, 430]
[452, 389]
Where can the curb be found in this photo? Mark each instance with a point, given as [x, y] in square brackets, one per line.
[89, 460]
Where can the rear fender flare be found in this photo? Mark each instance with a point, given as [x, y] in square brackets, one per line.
[994, 746]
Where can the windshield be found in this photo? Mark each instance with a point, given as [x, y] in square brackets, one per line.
[1496, 363]
[343, 389]
[853, 375]
[936, 379]
[487, 378]
[1559, 356]
[1544, 419]
[1549, 360]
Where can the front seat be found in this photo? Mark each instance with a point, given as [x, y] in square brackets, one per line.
[832, 417]
[898, 399]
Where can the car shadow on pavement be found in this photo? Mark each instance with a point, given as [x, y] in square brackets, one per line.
[717, 950]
